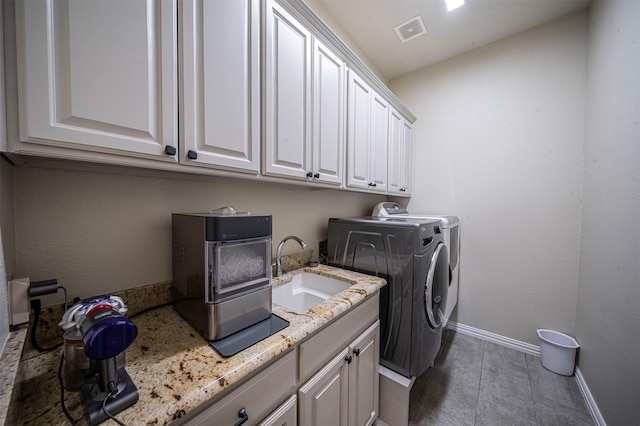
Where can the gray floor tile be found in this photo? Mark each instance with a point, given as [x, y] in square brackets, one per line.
[551, 413]
[474, 382]
[459, 405]
[546, 384]
[493, 413]
[435, 417]
[506, 384]
[496, 355]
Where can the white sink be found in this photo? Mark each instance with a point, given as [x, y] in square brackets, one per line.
[307, 289]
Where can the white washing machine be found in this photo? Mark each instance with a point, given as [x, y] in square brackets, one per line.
[451, 232]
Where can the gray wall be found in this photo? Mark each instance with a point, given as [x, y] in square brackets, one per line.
[98, 232]
[608, 310]
[498, 142]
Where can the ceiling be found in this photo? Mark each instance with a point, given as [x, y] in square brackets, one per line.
[370, 24]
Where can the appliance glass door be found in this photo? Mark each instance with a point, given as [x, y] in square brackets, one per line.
[237, 267]
[437, 286]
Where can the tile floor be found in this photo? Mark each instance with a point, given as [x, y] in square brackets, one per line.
[474, 382]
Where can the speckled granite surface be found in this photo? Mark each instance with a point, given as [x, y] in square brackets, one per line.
[175, 369]
[10, 365]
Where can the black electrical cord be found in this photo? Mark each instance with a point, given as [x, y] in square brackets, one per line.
[64, 407]
[113, 389]
[144, 311]
[36, 306]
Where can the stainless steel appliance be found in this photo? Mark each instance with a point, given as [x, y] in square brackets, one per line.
[410, 254]
[222, 270]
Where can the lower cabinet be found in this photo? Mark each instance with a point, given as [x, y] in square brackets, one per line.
[254, 400]
[345, 391]
[334, 373]
[284, 415]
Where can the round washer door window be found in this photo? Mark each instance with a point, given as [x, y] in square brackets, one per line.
[437, 286]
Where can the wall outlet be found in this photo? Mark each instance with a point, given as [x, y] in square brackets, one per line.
[19, 301]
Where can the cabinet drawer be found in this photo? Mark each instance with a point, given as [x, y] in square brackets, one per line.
[319, 349]
[259, 396]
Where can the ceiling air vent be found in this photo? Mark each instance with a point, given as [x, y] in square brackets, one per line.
[411, 29]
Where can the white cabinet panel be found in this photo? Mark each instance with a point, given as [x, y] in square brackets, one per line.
[285, 415]
[358, 131]
[407, 164]
[379, 142]
[328, 114]
[220, 97]
[395, 155]
[324, 398]
[367, 136]
[345, 390]
[400, 132]
[363, 377]
[98, 75]
[288, 94]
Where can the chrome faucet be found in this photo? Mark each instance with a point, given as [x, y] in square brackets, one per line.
[279, 251]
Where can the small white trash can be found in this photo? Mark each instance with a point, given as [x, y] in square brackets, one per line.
[557, 351]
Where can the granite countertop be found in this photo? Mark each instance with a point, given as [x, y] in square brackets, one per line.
[175, 369]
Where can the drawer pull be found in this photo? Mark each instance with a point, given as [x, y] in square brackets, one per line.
[243, 416]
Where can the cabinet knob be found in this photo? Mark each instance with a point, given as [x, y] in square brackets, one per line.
[374, 184]
[243, 417]
[403, 190]
[192, 154]
[348, 358]
[309, 174]
[170, 150]
[317, 176]
[356, 351]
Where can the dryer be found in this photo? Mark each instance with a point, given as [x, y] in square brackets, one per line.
[411, 255]
[451, 230]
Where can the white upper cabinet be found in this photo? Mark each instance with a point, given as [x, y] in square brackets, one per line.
[99, 75]
[367, 136]
[220, 82]
[407, 165]
[304, 102]
[287, 94]
[328, 114]
[400, 131]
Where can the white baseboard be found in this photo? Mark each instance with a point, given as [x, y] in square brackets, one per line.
[533, 350]
[588, 399]
[495, 338]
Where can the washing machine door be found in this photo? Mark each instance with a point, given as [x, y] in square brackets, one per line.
[436, 287]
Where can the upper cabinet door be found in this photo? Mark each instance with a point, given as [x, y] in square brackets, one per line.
[379, 142]
[99, 75]
[367, 136]
[396, 159]
[328, 114]
[220, 96]
[407, 165]
[288, 94]
[358, 132]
